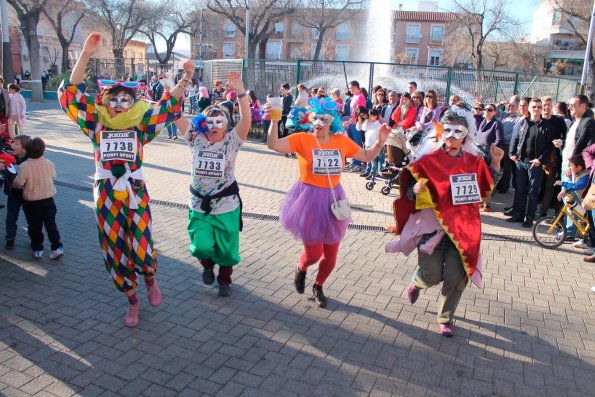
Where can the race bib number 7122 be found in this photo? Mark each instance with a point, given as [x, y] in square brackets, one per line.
[326, 161]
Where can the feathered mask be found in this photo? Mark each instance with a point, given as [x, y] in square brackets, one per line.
[199, 123]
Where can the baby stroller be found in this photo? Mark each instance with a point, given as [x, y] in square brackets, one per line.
[297, 121]
[389, 175]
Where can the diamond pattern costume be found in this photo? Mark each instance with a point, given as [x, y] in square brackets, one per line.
[121, 198]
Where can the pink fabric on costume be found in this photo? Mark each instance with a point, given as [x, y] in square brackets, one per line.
[419, 223]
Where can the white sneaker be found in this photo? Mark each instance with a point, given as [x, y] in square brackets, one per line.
[57, 253]
[579, 244]
[38, 254]
[589, 251]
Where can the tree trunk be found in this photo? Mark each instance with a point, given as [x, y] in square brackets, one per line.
[119, 64]
[65, 62]
[32, 40]
[319, 44]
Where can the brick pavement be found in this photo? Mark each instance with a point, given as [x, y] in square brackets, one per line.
[529, 331]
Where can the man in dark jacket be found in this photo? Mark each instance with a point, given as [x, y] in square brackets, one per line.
[287, 101]
[529, 149]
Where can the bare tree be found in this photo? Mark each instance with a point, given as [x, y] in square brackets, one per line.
[29, 12]
[64, 16]
[263, 15]
[477, 21]
[576, 14]
[122, 19]
[323, 15]
[174, 19]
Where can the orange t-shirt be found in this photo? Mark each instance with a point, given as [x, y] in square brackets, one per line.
[314, 163]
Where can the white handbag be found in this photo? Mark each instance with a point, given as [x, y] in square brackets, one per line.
[340, 208]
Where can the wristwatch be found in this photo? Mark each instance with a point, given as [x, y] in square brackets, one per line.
[241, 95]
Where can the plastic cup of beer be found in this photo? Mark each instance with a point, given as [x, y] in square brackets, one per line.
[276, 108]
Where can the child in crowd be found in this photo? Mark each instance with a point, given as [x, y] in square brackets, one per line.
[36, 178]
[361, 114]
[576, 186]
[371, 128]
[266, 122]
[18, 108]
[14, 195]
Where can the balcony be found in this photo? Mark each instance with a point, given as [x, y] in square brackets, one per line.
[568, 46]
[567, 54]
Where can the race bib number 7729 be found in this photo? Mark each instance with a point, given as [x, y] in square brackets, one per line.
[464, 189]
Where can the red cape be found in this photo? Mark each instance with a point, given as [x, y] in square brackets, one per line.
[461, 223]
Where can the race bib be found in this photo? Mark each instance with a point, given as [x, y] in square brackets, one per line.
[209, 164]
[326, 161]
[464, 189]
[118, 145]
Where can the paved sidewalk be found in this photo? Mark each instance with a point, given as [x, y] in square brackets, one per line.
[529, 331]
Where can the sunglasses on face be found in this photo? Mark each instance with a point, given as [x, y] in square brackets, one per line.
[490, 110]
[478, 109]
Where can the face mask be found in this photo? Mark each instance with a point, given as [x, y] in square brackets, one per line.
[455, 131]
[322, 120]
[217, 122]
[122, 100]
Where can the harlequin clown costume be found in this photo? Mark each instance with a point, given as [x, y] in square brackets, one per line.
[443, 219]
[215, 206]
[121, 199]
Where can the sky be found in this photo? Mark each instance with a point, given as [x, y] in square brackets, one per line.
[523, 11]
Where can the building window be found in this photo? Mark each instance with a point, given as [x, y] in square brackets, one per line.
[229, 50]
[557, 17]
[296, 51]
[230, 29]
[273, 50]
[435, 57]
[297, 29]
[342, 32]
[412, 55]
[315, 34]
[341, 52]
[413, 34]
[437, 34]
[279, 27]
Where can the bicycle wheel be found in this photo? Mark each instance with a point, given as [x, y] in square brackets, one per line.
[546, 239]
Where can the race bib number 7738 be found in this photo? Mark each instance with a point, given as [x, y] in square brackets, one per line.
[464, 189]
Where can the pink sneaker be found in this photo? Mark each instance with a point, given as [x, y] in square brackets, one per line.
[412, 293]
[447, 329]
[154, 294]
[131, 319]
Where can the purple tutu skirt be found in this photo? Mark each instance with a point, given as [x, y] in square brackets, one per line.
[306, 213]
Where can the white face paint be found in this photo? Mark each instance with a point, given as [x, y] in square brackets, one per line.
[455, 131]
[122, 100]
[322, 120]
[217, 122]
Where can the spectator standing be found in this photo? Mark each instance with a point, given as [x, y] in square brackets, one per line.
[36, 178]
[393, 103]
[552, 166]
[430, 111]
[14, 200]
[412, 86]
[302, 97]
[287, 101]
[18, 108]
[4, 104]
[192, 95]
[404, 118]
[562, 111]
[529, 150]
[358, 99]
[490, 132]
[217, 91]
[204, 100]
[336, 97]
[478, 110]
[510, 126]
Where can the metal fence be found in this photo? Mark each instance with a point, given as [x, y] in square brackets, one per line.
[266, 76]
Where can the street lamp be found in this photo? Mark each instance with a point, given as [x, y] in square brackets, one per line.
[585, 74]
[246, 53]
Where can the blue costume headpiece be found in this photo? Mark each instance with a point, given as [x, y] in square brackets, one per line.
[327, 106]
[199, 122]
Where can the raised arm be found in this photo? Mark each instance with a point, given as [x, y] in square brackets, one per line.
[235, 83]
[371, 153]
[273, 141]
[90, 47]
[178, 90]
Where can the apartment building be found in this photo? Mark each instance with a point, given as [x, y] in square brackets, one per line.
[551, 28]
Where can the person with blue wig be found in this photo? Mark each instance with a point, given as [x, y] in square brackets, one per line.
[306, 209]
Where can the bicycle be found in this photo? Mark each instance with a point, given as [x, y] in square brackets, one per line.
[551, 232]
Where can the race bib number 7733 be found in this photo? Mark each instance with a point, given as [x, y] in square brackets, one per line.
[464, 189]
